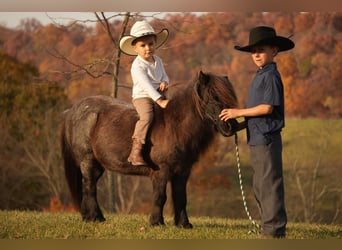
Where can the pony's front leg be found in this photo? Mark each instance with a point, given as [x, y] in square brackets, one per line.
[178, 185]
[159, 182]
[91, 172]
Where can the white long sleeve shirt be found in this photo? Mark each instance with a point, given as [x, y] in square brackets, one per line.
[147, 77]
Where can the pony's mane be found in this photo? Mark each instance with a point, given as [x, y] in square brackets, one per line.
[178, 88]
[202, 89]
[223, 89]
[180, 94]
[217, 89]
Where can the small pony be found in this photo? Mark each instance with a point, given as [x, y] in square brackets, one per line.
[96, 136]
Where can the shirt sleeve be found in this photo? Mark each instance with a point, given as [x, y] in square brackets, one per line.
[165, 78]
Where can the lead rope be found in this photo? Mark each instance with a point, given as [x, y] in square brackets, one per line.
[256, 226]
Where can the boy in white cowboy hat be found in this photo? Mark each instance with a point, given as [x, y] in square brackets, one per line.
[264, 119]
[149, 80]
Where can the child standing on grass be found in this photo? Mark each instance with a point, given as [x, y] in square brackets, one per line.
[149, 80]
[264, 119]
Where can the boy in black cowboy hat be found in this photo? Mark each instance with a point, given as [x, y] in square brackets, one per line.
[264, 120]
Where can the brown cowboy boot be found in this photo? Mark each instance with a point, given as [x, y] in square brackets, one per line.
[135, 157]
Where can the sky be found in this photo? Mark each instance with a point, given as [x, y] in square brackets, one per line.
[12, 19]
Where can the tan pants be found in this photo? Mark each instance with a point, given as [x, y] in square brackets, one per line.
[145, 109]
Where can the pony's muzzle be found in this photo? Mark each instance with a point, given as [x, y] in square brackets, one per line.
[228, 128]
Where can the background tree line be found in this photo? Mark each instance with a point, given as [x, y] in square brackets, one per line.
[44, 69]
[80, 57]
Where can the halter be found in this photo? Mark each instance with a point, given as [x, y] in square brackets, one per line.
[204, 111]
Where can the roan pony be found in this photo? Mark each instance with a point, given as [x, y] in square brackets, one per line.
[96, 136]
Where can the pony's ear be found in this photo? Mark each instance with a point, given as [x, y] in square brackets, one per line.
[200, 84]
[203, 78]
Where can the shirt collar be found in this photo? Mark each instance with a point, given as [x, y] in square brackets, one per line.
[147, 62]
[267, 67]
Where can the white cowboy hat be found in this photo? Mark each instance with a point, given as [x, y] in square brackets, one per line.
[140, 29]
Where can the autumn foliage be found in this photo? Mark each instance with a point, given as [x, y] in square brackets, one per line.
[55, 205]
[311, 72]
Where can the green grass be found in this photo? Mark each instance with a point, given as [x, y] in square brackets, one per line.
[39, 225]
[305, 140]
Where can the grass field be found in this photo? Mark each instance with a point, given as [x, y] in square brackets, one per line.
[39, 225]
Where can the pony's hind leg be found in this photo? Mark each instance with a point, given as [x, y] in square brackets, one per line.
[178, 186]
[91, 172]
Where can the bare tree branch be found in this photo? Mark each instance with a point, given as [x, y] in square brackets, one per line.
[82, 68]
[105, 24]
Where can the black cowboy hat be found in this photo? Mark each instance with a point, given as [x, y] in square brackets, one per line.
[263, 35]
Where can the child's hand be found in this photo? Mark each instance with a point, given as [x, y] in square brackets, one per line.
[162, 102]
[163, 86]
[227, 114]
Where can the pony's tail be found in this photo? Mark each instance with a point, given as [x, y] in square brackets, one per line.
[72, 171]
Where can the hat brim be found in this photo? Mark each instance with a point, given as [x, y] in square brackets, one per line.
[126, 42]
[282, 43]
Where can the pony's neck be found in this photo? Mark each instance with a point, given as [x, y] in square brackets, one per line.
[183, 118]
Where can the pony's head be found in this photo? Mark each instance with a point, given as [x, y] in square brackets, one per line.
[211, 94]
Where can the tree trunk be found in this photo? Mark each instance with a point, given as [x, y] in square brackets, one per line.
[117, 57]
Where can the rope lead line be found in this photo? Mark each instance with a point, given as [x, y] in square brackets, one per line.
[256, 228]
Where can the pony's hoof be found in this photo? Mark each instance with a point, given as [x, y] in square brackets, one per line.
[158, 225]
[186, 226]
[101, 219]
[157, 222]
[94, 219]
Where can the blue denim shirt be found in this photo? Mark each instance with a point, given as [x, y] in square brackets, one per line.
[266, 88]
